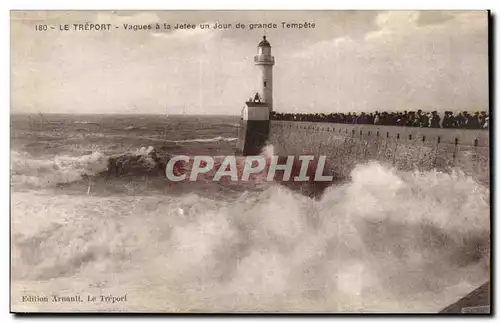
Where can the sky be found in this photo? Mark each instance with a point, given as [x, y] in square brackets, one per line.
[352, 61]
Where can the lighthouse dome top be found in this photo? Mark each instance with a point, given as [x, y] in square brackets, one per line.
[264, 42]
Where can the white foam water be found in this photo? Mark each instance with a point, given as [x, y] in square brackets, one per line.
[215, 139]
[33, 173]
[30, 172]
[388, 241]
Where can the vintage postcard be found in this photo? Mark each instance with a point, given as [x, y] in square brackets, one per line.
[250, 161]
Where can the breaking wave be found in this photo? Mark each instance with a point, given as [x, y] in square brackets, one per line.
[388, 241]
[85, 122]
[27, 171]
[216, 139]
[133, 128]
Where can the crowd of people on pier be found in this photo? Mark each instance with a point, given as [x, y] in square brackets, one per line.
[422, 119]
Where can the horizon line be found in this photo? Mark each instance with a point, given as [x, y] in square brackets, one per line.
[125, 114]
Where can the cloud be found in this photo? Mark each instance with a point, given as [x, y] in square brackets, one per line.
[140, 18]
[331, 46]
[388, 61]
[394, 23]
[399, 65]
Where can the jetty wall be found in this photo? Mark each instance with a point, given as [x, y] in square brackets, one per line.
[406, 148]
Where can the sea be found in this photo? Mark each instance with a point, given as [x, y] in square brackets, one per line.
[386, 241]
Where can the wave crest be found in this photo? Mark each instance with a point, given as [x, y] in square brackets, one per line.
[38, 173]
[215, 139]
[388, 241]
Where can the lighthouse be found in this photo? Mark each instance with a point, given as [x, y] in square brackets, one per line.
[254, 121]
[265, 62]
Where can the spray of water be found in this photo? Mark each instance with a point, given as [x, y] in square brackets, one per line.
[388, 241]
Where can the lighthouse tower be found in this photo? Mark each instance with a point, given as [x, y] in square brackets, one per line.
[265, 61]
[254, 122]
